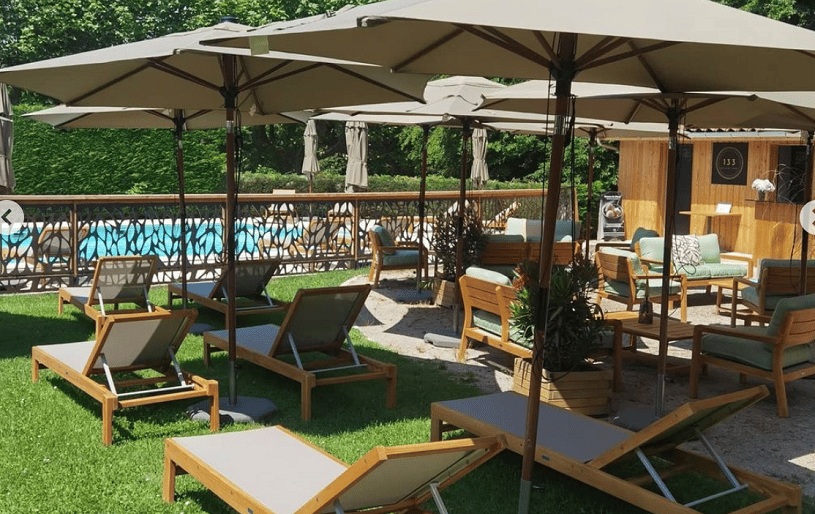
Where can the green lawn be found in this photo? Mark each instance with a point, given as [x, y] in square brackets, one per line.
[53, 461]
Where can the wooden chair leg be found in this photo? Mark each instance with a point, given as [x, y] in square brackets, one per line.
[781, 395]
[305, 400]
[695, 367]
[461, 355]
[108, 406]
[207, 350]
[168, 483]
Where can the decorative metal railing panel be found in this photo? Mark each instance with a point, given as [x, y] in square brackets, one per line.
[63, 236]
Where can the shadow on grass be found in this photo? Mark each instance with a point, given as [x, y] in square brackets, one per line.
[21, 332]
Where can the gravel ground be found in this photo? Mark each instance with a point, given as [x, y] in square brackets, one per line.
[755, 439]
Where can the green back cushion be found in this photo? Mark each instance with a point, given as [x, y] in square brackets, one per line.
[651, 248]
[488, 275]
[782, 263]
[709, 248]
[385, 238]
[640, 233]
[786, 305]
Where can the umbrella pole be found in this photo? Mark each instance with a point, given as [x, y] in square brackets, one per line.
[462, 198]
[564, 76]
[590, 187]
[230, 96]
[422, 191]
[178, 120]
[670, 207]
[807, 197]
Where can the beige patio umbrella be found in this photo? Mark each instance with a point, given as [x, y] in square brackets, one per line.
[7, 181]
[695, 109]
[176, 71]
[479, 173]
[356, 144]
[673, 45]
[311, 165]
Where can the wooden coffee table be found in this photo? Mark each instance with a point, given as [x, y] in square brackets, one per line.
[677, 330]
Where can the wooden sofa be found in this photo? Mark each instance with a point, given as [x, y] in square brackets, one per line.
[521, 242]
[710, 269]
[486, 297]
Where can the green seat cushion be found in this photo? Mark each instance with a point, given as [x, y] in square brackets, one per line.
[725, 269]
[786, 305]
[753, 353]
[385, 238]
[491, 323]
[488, 275]
[401, 257]
[698, 272]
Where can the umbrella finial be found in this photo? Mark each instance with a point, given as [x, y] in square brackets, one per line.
[229, 19]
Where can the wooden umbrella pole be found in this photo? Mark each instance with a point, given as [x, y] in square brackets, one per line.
[422, 191]
[178, 120]
[670, 208]
[590, 187]
[807, 197]
[565, 75]
[230, 95]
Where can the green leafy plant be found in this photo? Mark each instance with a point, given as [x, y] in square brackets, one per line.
[575, 323]
[445, 239]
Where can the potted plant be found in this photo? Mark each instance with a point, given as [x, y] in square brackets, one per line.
[762, 187]
[575, 330]
[445, 241]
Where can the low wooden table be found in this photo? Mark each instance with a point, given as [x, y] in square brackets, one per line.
[746, 314]
[677, 330]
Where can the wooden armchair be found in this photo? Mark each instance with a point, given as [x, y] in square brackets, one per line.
[777, 279]
[387, 254]
[782, 351]
[621, 278]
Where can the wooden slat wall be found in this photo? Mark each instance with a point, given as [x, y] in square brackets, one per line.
[765, 229]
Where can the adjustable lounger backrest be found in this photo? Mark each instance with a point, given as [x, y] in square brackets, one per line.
[139, 340]
[251, 278]
[683, 424]
[316, 318]
[391, 479]
[123, 278]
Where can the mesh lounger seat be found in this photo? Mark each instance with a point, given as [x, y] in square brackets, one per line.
[273, 471]
[317, 322]
[583, 448]
[251, 279]
[116, 280]
[127, 343]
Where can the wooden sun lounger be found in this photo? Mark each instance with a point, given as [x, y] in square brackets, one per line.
[272, 471]
[318, 321]
[116, 280]
[583, 447]
[251, 280]
[126, 343]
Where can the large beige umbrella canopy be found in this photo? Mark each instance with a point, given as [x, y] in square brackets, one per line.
[356, 144]
[7, 181]
[479, 173]
[177, 72]
[673, 45]
[311, 165]
[697, 110]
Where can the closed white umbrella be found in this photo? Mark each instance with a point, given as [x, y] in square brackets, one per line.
[7, 181]
[356, 144]
[480, 172]
[311, 166]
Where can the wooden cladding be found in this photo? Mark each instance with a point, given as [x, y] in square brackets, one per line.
[766, 229]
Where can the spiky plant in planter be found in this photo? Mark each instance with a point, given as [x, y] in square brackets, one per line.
[575, 325]
[445, 239]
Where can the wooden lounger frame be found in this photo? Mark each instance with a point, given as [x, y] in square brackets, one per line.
[396, 479]
[256, 302]
[661, 439]
[306, 373]
[145, 265]
[191, 386]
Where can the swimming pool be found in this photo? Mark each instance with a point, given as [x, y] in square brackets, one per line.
[162, 238]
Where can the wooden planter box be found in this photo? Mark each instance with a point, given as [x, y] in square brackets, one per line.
[444, 292]
[586, 392]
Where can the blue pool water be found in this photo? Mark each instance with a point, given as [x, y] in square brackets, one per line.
[204, 238]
